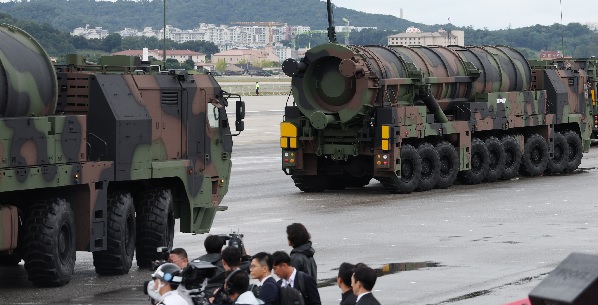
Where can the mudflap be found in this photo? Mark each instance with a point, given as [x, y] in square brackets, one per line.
[9, 227]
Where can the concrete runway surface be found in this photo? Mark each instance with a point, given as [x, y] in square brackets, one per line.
[483, 244]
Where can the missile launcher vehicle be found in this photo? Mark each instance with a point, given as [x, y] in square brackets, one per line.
[417, 118]
[103, 158]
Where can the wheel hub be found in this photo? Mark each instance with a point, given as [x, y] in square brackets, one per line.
[407, 170]
[536, 155]
[64, 242]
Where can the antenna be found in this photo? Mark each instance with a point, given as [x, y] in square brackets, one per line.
[164, 53]
[562, 31]
[331, 32]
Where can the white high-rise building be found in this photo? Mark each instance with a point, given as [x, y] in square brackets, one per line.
[415, 37]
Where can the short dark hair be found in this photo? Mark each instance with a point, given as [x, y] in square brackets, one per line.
[366, 275]
[345, 271]
[232, 256]
[179, 251]
[213, 244]
[237, 282]
[297, 234]
[280, 257]
[264, 259]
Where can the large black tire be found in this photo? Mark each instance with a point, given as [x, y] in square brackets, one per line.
[118, 257]
[575, 151]
[410, 173]
[49, 243]
[449, 164]
[155, 225]
[8, 260]
[512, 157]
[311, 184]
[430, 161]
[479, 164]
[560, 155]
[496, 161]
[535, 156]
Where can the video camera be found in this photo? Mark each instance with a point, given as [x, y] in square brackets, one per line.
[198, 273]
[234, 240]
[163, 257]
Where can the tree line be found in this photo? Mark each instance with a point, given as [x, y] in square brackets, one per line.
[574, 39]
[58, 43]
[66, 15]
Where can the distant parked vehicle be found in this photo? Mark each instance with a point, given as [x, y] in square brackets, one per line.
[259, 73]
[230, 73]
[263, 73]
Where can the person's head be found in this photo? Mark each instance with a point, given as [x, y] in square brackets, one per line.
[236, 284]
[343, 279]
[297, 235]
[281, 263]
[178, 256]
[261, 264]
[363, 279]
[213, 244]
[166, 278]
[231, 258]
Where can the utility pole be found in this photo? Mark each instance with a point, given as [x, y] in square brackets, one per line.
[164, 51]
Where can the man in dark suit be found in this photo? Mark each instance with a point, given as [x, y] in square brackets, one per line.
[294, 278]
[345, 271]
[260, 267]
[363, 281]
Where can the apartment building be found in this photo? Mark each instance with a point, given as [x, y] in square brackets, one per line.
[180, 55]
[90, 33]
[247, 56]
[415, 37]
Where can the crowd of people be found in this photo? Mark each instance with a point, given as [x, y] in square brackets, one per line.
[230, 283]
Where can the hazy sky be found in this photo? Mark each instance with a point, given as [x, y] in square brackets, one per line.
[481, 13]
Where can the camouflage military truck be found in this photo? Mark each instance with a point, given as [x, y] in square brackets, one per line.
[590, 66]
[418, 118]
[104, 158]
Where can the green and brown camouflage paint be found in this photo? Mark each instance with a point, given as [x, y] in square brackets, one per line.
[82, 131]
[344, 94]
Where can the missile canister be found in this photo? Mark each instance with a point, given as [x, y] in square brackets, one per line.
[28, 85]
[341, 83]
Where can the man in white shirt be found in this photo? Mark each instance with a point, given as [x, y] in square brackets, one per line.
[296, 279]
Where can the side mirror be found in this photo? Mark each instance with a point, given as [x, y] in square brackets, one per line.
[240, 126]
[240, 115]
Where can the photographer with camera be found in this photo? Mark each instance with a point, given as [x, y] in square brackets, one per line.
[167, 279]
[213, 245]
[177, 256]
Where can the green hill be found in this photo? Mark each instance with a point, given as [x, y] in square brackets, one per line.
[49, 21]
[187, 14]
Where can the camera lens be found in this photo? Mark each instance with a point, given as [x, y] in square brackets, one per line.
[145, 284]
